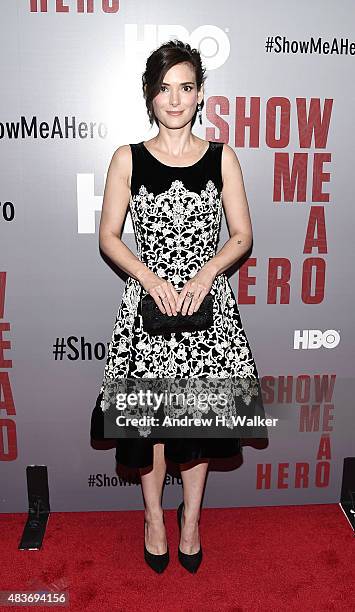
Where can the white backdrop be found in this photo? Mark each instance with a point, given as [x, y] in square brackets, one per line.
[70, 95]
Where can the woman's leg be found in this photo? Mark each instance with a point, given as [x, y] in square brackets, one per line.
[152, 488]
[193, 482]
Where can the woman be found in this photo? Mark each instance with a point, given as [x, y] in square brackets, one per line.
[174, 185]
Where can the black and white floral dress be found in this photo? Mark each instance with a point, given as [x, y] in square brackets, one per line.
[176, 214]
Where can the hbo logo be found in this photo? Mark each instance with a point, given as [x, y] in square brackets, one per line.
[315, 338]
[211, 40]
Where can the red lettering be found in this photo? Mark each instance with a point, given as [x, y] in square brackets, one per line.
[316, 222]
[313, 267]
[314, 123]
[298, 177]
[8, 435]
[272, 107]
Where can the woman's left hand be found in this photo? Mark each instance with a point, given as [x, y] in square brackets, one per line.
[199, 285]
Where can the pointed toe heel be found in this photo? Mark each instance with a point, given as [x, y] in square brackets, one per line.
[190, 562]
[157, 562]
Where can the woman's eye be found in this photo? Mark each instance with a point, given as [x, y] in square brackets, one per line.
[163, 87]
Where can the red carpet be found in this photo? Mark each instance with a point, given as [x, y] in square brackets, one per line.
[269, 559]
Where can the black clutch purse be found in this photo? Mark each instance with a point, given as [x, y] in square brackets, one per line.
[157, 323]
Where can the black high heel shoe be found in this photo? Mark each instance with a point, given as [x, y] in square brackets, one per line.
[157, 562]
[189, 562]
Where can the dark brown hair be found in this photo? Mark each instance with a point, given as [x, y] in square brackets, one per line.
[160, 61]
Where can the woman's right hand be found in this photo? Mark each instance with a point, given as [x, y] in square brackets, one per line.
[162, 291]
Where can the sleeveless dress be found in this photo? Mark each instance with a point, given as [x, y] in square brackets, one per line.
[176, 215]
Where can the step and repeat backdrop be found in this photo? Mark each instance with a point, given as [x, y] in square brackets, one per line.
[280, 92]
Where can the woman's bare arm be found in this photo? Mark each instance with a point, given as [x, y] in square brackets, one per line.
[236, 209]
[114, 208]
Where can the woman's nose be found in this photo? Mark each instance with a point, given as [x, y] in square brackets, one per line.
[174, 98]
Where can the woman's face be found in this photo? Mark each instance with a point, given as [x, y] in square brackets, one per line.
[178, 92]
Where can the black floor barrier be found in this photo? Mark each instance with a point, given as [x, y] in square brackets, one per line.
[38, 507]
[347, 500]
